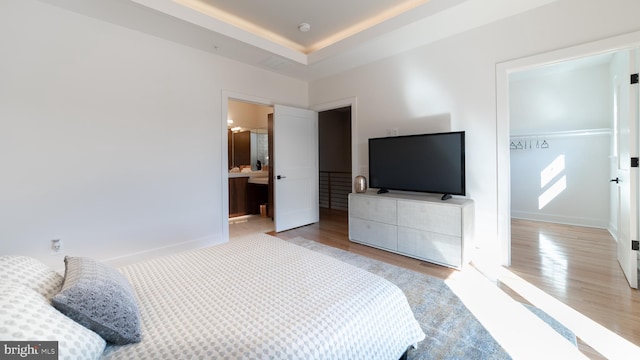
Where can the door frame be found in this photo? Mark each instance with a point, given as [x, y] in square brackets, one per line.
[503, 70]
[224, 111]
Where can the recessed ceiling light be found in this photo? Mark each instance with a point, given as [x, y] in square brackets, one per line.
[304, 27]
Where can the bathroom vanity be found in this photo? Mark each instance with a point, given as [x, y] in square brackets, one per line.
[247, 191]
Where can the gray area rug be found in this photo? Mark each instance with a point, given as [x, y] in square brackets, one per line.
[452, 331]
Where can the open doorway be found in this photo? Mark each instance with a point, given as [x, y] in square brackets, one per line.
[334, 141]
[563, 155]
[607, 287]
[343, 105]
[528, 142]
[561, 136]
[341, 124]
[249, 185]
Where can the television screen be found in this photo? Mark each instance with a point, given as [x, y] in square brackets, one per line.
[433, 163]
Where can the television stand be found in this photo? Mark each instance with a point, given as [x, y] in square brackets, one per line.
[445, 197]
[383, 191]
[420, 226]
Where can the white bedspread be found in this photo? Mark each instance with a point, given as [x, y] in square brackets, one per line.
[260, 297]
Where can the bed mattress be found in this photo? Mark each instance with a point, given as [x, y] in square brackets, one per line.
[260, 297]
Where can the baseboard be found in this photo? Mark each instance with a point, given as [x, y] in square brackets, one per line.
[165, 250]
[559, 219]
[613, 230]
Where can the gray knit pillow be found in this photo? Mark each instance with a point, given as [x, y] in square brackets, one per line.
[101, 299]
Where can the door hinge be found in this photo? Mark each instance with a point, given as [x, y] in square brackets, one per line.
[634, 79]
[635, 245]
[635, 162]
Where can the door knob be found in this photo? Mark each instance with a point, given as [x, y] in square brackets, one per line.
[616, 180]
[280, 177]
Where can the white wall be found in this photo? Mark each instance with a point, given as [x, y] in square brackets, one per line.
[112, 139]
[558, 103]
[455, 79]
[561, 97]
[567, 183]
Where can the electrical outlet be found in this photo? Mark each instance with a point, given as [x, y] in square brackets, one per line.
[56, 246]
[392, 132]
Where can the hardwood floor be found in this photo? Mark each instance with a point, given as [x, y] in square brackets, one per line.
[578, 266]
[575, 265]
[333, 230]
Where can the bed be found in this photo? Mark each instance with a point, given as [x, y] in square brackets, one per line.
[259, 297]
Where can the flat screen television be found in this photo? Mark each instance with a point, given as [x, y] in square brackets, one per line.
[432, 163]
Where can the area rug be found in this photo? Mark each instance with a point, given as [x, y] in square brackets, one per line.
[452, 332]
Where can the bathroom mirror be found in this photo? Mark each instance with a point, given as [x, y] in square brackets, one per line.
[259, 148]
[248, 147]
[248, 138]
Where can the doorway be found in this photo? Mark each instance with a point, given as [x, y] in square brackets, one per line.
[347, 110]
[334, 141]
[504, 72]
[561, 132]
[226, 96]
[249, 183]
[562, 157]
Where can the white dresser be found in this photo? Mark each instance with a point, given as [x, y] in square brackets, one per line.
[417, 225]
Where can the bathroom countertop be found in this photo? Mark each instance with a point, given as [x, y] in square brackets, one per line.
[252, 174]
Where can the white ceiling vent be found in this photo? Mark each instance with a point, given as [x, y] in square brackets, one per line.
[275, 63]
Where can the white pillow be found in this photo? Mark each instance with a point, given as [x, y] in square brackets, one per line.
[26, 315]
[32, 273]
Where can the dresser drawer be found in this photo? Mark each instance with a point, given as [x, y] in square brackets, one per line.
[434, 247]
[373, 208]
[373, 233]
[436, 218]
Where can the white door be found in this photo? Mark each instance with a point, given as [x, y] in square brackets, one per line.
[626, 175]
[295, 152]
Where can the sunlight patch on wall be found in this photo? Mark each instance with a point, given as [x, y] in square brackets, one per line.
[547, 175]
[551, 193]
[550, 172]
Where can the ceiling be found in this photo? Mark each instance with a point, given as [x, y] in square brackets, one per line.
[279, 20]
[343, 33]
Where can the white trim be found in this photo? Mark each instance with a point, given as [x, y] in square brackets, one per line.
[561, 219]
[503, 70]
[165, 250]
[562, 134]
